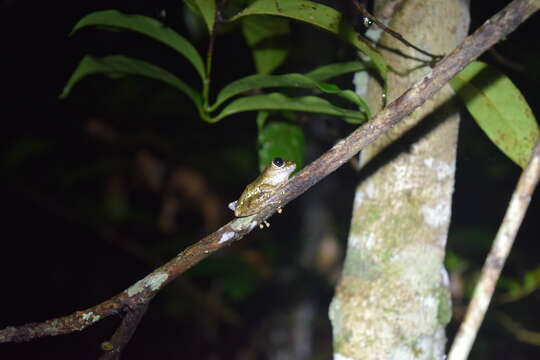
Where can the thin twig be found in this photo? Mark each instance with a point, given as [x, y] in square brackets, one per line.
[503, 60]
[113, 348]
[517, 330]
[145, 289]
[497, 257]
[366, 14]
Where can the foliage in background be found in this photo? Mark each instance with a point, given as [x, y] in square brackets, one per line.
[494, 102]
[499, 109]
[244, 94]
[265, 31]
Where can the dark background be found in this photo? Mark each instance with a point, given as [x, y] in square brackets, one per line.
[80, 225]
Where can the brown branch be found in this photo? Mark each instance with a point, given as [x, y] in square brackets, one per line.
[140, 293]
[498, 254]
[183, 286]
[499, 26]
[113, 348]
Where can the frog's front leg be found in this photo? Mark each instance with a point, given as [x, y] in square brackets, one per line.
[232, 205]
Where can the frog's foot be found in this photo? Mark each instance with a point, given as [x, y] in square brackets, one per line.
[261, 225]
[279, 210]
[232, 205]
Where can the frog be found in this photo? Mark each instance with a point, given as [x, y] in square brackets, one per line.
[256, 194]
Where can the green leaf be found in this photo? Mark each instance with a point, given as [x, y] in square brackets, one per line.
[329, 71]
[122, 65]
[205, 8]
[265, 37]
[192, 6]
[281, 139]
[241, 284]
[455, 262]
[262, 116]
[530, 282]
[259, 81]
[353, 97]
[318, 15]
[516, 290]
[146, 26]
[288, 80]
[277, 101]
[238, 278]
[499, 109]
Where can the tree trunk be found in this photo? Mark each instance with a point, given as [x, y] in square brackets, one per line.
[393, 299]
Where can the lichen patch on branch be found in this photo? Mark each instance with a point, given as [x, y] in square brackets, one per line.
[226, 237]
[153, 282]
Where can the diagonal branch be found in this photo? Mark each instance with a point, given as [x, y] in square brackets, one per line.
[139, 294]
[497, 257]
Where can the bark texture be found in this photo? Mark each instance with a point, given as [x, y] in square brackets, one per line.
[393, 300]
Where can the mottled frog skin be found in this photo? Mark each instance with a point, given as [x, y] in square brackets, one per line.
[256, 194]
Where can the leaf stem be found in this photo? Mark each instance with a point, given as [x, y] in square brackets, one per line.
[206, 80]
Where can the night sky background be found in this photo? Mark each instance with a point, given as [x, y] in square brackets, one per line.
[81, 223]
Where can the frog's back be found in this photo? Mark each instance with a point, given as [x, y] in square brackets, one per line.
[245, 204]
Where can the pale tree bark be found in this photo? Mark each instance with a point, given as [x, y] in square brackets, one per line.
[393, 299]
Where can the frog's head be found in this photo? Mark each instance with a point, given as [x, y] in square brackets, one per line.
[278, 171]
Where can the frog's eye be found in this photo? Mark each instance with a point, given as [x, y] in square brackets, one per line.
[367, 21]
[278, 162]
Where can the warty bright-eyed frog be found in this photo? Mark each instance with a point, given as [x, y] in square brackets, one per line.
[256, 194]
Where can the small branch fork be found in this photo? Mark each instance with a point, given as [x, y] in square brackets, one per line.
[372, 19]
[496, 258]
[113, 348]
[135, 299]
